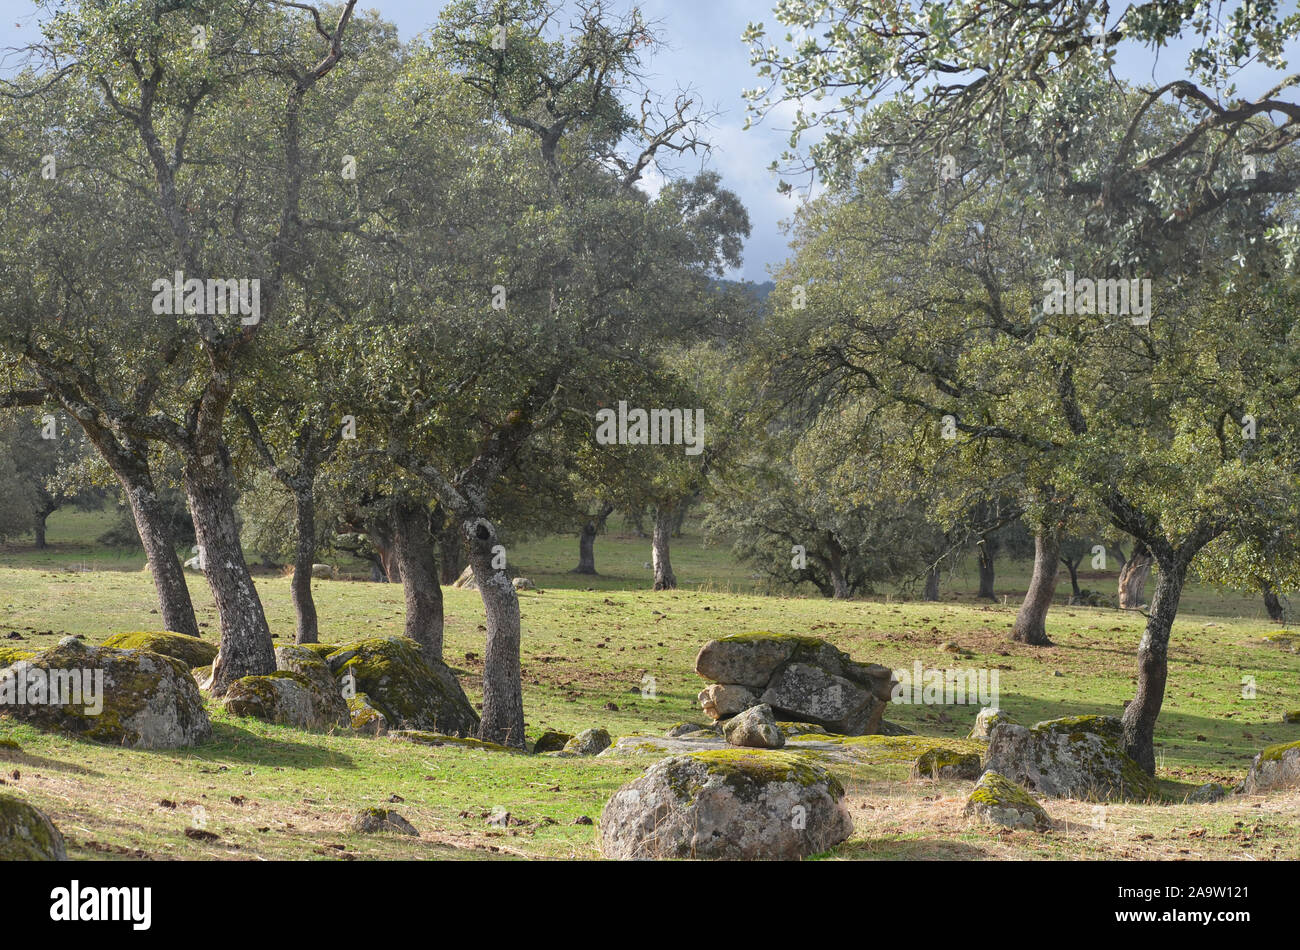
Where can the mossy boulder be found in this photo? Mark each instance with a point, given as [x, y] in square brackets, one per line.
[410, 691]
[1075, 757]
[365, 717]
[27, 834]
[372, 820]
[1276, 767]
[941, 762]
[755, 728]
[588, 742]
[996, 800]
[551, 741]
[128, 697]
[1292, 717]
[309, 663]
[286, 698]
[191, 651]
[727, 804]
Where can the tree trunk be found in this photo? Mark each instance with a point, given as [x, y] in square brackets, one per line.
[1133, 578]
[679, 517]
[665, 579]
[985, 556]
[1272, 603]
[1153, 667]
[503, 692]
[1031, 619]
[586, 549]
[635, 520]
[304, 606]
[932, 583]
[451, 551]
[130, 464]
[835, 567]
[418, 560]
[246, 647]
[38, 529]
[1073, 568]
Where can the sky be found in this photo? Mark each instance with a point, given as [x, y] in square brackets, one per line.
[703, 52]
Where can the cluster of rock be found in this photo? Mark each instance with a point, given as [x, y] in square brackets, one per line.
[27, 834]
[129, 697]
[1074, 757]
[803, 679]
[373, 685]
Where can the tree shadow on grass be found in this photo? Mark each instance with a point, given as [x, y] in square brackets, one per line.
[32, 761]
[234, 745]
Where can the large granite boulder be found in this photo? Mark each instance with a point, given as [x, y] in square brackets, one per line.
[755, 728]
[1074, 757]
[408, 690]
[27, 834]
[189, 650]
[1277, 766]
[803, 679]
[727, 804]
[123, 697]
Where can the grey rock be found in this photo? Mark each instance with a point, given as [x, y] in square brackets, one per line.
[755, 728]
[727, 805]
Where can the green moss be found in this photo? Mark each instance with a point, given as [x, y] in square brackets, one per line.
[1274, 753]
[940, 761]
[11, 655]
[998, 791]
[191, 651]
[1077, 726]
[759, 635]
[745, 767]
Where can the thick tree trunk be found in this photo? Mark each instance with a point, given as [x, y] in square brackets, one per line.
[1031, 620]
[1272, 603]
[38, 528]
[304, 605]
[131, 467]
[985, 557]
[665, 579]
[932, 583]
[451, 551]
[586, 549]
[503, 692]
[246, 647]
[1133, 578]
[835, 567]
[1153, 667]
[418, 560]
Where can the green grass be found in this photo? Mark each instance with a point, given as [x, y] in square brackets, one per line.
[589, 645]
